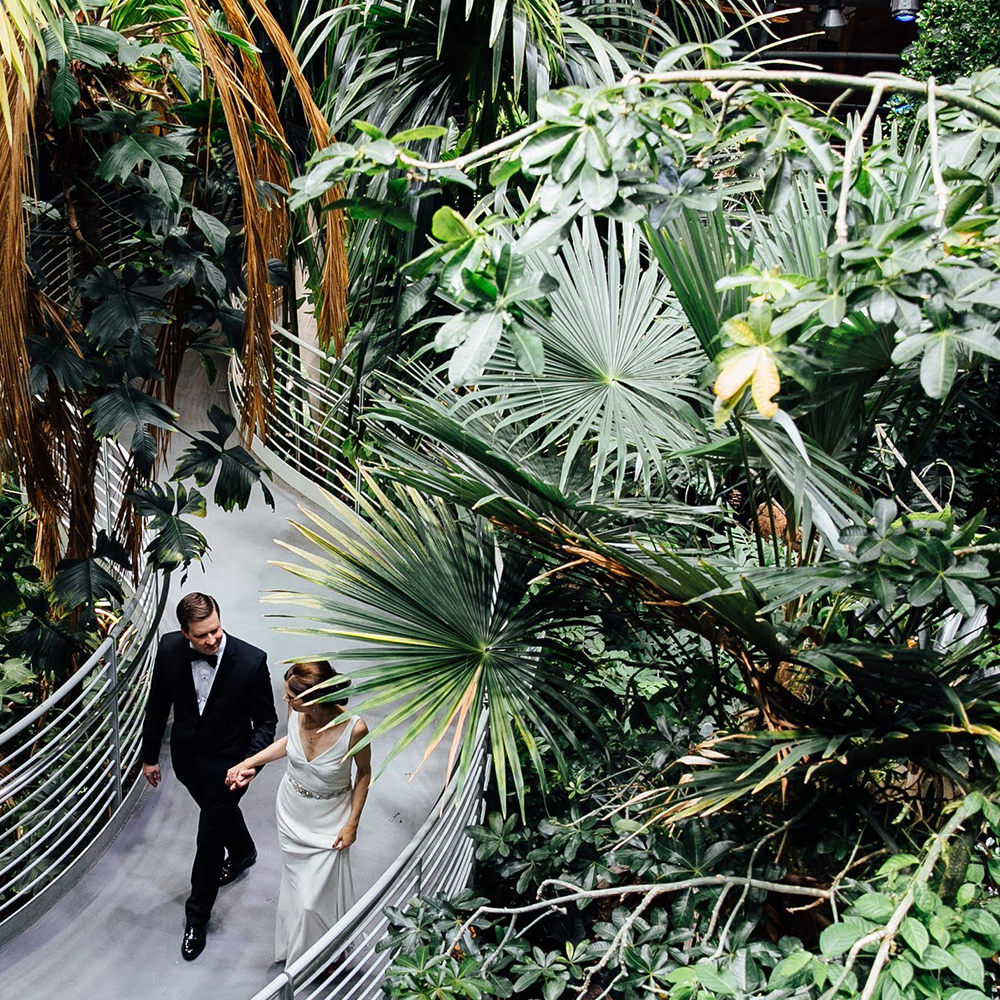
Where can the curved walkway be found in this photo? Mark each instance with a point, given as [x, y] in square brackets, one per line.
[116, 935]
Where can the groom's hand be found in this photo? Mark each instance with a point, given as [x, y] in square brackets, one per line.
[151, 772]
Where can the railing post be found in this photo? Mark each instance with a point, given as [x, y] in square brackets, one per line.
[287, 988]
[116, 742]
[420, 876]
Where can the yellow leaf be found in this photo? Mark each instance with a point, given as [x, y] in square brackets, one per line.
[736, 373]
[766, 383]
[740, 332]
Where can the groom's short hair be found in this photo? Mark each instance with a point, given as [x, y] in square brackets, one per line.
[195, 608]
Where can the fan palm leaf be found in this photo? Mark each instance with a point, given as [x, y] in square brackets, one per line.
[620, 367]
[445, 622]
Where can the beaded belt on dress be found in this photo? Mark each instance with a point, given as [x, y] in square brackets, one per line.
[307, 794]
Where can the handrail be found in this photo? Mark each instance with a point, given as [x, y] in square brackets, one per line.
[306, 429]
[67, 785]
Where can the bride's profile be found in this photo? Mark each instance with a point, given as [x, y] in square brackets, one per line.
[318, 805]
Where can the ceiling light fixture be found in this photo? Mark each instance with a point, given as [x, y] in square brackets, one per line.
[831, 16]
[904, 10]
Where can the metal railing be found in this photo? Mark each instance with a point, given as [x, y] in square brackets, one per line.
[346, 963]
[69, 769]
[308, 429]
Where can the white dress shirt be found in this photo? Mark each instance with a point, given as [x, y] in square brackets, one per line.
[203, 675]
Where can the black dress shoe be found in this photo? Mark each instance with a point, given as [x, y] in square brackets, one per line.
[193, 944]
[232, 869]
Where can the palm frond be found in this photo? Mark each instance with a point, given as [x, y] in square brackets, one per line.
[620, 367]
[445, 622]
[260, 233]
[332, 317]
[25, 448]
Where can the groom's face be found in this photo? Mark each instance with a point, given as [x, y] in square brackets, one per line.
[206, 635]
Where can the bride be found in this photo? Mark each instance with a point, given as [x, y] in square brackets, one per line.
[318, 808]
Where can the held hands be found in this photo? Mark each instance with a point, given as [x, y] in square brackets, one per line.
[151, 772]
[346, 837]
[239, 776]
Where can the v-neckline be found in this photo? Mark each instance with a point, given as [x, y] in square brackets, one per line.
[302, 744]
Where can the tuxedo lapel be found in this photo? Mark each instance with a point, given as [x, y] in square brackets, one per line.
[186, 693]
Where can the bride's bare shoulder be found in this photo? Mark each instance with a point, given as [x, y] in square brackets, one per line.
[360, 730]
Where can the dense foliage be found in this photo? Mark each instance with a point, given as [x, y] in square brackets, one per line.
[956, 38]
[703, 345]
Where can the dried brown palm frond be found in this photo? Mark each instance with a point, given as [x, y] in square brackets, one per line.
[68, 445]
[272, 164]
[332, 315]
[258, 360]
[24, 449]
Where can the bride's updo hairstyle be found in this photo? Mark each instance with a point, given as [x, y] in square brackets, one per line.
[303, 677]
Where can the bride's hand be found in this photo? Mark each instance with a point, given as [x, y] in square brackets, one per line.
[346, 837]
[239, 776]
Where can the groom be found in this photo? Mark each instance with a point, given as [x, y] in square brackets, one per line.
[220, 690]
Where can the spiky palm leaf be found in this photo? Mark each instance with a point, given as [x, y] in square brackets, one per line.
[620, 370]
[403, 63]
[445, 622]
[886, 713]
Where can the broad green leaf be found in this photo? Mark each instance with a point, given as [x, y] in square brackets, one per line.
[471, 356]
[449, 227]
[966, 964]
[913, 932]
[65, 95]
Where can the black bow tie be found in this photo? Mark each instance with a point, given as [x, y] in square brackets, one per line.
[210, 658]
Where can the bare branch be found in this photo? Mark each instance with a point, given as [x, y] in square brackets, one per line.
[849, 154]
[940, 187]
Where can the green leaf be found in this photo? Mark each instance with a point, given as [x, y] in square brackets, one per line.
[418, 134]
[503, 171]
[793, 964]
[216, 232]
[982, 922]
[966, 964]
[448, 226]
[175, 542]
[528, 348]
[915, 935]
[598, 189]
[898, 861]
[469, 360]
[85, 582]
[938, 367]
[875, 906]
[126, 406]
[65, 95]
[120, 307]
[838, 938]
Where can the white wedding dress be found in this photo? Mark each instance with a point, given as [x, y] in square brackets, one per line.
[314, 802]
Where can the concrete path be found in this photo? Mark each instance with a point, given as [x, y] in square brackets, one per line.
[116, 935]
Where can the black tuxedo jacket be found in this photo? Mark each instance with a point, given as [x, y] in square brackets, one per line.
[239, 717]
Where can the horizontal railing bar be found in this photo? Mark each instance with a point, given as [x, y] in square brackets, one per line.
[64, 786]
[17, 779]
[73, 846]
[58, 820]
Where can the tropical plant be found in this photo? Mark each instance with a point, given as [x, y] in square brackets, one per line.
[817, 628]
